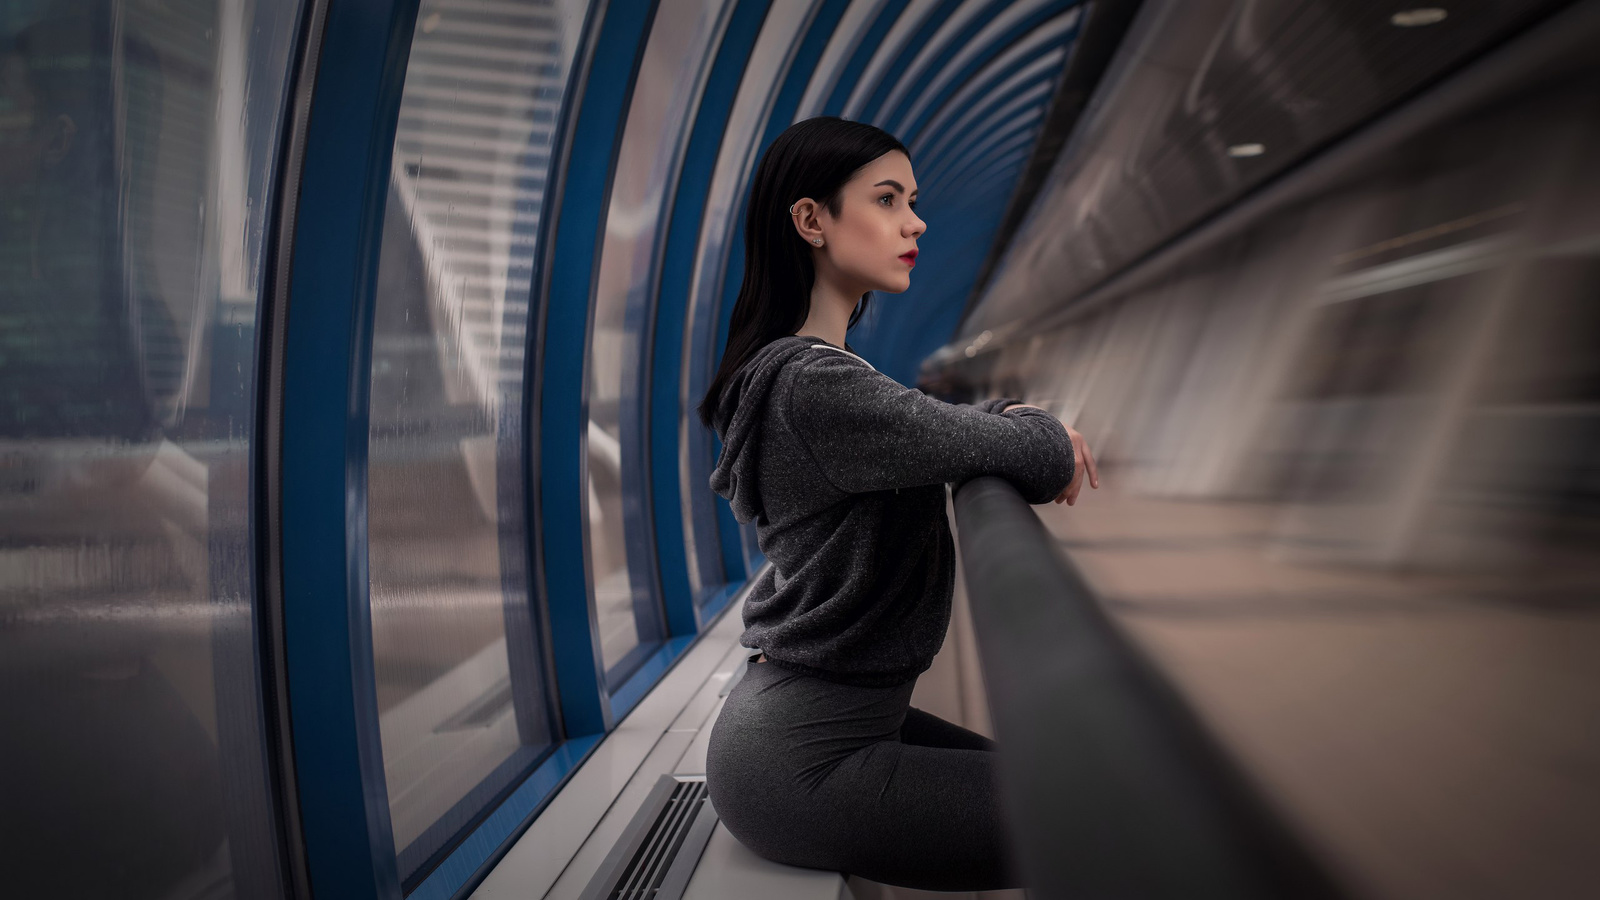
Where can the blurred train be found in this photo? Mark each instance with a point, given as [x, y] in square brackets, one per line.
[354, 531]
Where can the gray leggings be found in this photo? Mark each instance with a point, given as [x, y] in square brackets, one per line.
[812, 773]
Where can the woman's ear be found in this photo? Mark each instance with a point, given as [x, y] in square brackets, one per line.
[806, 222]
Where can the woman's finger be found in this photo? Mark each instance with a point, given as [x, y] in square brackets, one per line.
[1088, 463]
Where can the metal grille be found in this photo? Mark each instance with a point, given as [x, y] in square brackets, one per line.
[656, 855]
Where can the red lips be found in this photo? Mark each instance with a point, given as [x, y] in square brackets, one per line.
[910, 259]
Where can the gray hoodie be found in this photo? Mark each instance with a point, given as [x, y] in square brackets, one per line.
[843, 471]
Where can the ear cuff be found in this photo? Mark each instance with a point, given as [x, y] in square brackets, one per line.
[817, 241]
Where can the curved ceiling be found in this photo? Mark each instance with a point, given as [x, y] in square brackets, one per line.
[1207, 101]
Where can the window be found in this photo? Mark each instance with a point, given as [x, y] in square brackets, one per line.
[137, 149]
[464, 704]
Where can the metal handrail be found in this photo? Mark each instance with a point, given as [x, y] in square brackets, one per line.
[1113, 786]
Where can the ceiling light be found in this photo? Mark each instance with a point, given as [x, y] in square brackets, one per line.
[1239, 151]
[1423, 15]
[430, 23]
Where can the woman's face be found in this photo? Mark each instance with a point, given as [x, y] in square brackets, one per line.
[872, 244]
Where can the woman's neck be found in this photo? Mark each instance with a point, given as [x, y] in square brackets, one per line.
[831, 306]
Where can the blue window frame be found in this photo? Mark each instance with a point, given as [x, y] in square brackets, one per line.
[349, 136]
[720, 549]
[610, 60]
[465, 708]
[671, 81]
[435, 406]
[690, 601]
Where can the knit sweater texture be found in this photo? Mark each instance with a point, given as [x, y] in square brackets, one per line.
[843, 470]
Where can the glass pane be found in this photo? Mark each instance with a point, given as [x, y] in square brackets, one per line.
[621, 550]
[463, 704]
[736, 160]
[137, 145]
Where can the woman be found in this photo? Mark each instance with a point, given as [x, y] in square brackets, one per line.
[817, 758]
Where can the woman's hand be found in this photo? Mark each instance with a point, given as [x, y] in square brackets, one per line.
[1082, 460]
[1082, 466]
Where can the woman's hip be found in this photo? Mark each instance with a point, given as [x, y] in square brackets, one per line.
[791, 715]
[779, 730]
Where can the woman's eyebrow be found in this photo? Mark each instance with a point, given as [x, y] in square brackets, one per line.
[894, 184]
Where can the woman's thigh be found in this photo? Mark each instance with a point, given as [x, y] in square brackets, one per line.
[921, 817]
[812, 774]
[928, 730]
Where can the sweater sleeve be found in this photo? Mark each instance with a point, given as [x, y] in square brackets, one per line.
[867, 432]
[993, 406]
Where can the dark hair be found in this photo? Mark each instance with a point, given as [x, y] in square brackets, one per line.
[812, 158]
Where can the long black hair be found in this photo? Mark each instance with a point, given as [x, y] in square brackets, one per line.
[812, 158]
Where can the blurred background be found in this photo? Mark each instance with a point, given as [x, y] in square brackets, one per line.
[1347, 427]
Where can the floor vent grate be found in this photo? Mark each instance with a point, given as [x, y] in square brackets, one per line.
[661, 846]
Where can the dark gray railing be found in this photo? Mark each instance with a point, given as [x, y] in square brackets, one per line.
[1115, 789]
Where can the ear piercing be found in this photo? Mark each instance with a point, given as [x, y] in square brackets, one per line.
[817, 241]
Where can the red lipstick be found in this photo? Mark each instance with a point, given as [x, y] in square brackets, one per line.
[909, 259]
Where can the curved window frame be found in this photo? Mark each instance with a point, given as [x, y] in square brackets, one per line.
[629, 264]
[719, 251]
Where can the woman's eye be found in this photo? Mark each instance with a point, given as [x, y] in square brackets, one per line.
[888, 197]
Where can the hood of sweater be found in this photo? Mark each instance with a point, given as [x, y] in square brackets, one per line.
[843, 471]
[738, 422]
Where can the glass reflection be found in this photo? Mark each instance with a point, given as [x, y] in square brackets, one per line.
[463, 704]
[137, 143]
[621, 554]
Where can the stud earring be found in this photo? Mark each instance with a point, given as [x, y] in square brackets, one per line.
[817, 241]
